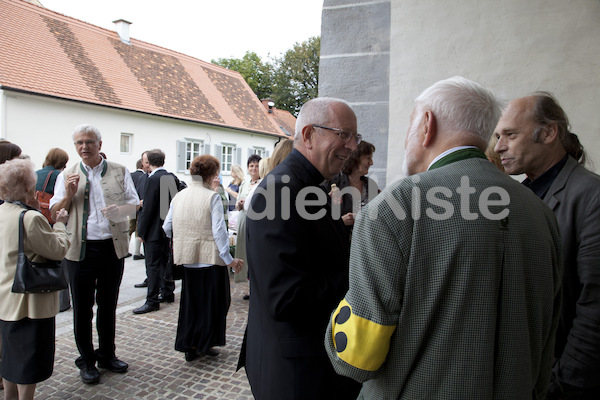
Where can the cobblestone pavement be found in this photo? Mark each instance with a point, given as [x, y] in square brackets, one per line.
[146, 342]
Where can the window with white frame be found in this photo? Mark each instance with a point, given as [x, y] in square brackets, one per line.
[187, 150]
[260, 151]
[227, 156]
[126, 143]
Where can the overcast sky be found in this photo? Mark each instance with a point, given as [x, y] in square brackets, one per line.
[205, 29]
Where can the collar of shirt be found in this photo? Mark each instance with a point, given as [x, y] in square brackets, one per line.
[541, 185]
[98, 227]
[449, 151]
[157, 169]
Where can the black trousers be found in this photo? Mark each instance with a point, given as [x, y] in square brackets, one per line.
[97, 277]
[156, 263]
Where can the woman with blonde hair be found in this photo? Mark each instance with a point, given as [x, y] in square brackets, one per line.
[237, 173]
[27, 321]
[281, 151]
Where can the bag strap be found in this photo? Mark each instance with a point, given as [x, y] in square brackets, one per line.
[47, 179]
[21, 232]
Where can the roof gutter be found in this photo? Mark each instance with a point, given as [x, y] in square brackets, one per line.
[143, 112]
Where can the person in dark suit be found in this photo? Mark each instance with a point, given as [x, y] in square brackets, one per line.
[139, 177]
[299, 263]
[534, 138]
[151, 233]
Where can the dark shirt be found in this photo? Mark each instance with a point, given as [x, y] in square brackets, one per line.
[541, 185]
[232, 200]
[42, 174]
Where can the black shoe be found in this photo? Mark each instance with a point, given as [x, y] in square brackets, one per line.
[114, 365]
[191, 355]
[213, 352]
[90, 375]
[143, 284]
[128, 255]
[146, 308]
[139, 257]
[246, 297]
[167, 299]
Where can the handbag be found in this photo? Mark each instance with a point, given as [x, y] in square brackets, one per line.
[173, 272]
[44, 199]
[33, 277]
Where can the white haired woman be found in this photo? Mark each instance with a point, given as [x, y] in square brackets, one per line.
[26, 320]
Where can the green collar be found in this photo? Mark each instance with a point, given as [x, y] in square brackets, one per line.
[459, 155]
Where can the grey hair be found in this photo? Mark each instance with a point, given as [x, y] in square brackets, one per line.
[87, 128]
[316, 111]
[462, 105]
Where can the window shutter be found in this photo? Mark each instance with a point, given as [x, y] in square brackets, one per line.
[181, 147]
[219, 152]
[238, 155]
[205, 148]
[266, 153]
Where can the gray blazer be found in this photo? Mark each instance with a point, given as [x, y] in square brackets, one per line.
[574, 196]
[459, 307]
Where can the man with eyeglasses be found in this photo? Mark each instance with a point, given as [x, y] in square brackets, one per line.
[100, 196]
[298, 262]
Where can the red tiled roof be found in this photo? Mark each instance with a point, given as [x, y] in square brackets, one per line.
[47, 53]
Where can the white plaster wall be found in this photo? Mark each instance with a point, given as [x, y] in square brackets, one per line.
[37, 124]
[513, 47]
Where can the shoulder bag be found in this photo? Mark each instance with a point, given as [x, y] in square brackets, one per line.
[33, 277]
[44, 199]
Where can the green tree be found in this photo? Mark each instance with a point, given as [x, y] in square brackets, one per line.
[296, 77]
[290, 81]
[258, 74]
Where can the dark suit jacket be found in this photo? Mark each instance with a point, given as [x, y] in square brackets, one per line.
[149, 223]
[139, 181]
[574, 196]
[298, 272]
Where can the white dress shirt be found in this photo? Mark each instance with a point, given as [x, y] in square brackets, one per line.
[98, 226]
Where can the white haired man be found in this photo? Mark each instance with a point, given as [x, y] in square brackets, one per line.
[100, 196]
[298, 262]
[455, 271]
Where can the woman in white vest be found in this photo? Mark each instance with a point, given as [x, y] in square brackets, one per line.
[201, 243]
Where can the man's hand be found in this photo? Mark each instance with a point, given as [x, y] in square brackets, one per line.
[111, 212]
[71, 184]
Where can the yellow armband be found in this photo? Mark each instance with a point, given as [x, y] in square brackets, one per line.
[361, 343]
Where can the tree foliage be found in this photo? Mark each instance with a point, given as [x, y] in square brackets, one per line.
[290, 80]
[256, 73]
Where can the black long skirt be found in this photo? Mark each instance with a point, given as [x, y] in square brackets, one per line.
[205, 300]
[27, 350]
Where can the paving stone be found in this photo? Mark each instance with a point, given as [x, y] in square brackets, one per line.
[146, 342]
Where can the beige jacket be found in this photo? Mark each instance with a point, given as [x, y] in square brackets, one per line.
[114, 193]
[40, 241]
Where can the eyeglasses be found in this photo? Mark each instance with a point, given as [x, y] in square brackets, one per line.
[343, 134]
[80, 143]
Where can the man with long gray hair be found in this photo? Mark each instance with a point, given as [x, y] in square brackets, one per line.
[534, 138]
